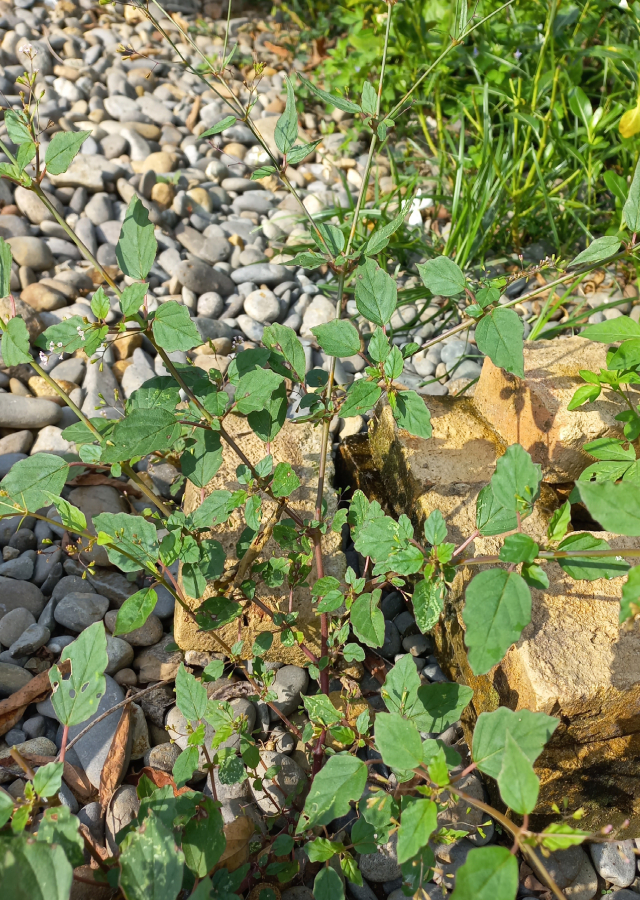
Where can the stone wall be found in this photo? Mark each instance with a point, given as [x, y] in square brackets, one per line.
[573, 661]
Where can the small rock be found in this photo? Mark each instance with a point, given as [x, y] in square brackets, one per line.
[162, 756]
[263, 306]
[383, 864]
[77, 611]
[261, 273]
[40, 746]
[156, 703]
[31, 251]
[14, 594]
[391, 645]
[284, 783]
[13, 624]
[289, 684]
[148, 634]
[119, 654]
[139, 733]
[616, 862]
[34, 637]
[156, 663]
[25, 412]
[123, 809]
[34, 726]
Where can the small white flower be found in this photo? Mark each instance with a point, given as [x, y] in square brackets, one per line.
[623, 4]
[43, 358]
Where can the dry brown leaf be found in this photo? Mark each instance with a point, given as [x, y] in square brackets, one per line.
[39, 688]
[96, 478]
[192, 118]
[114, 766]
[279, 51]
[238, 834]
[159, 778]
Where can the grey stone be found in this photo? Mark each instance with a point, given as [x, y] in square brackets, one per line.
[77, 611]
[72, 369]
[201, 278]
[210, 305]
[32, 639]
[21, 568]
[391, 645]
[91, 816]
[27, 412]
[433, 672]
[450, 858]
[463, 817]
[111, 584]
[68, 584]
[119, 654]
[289, 684]
[8, 461]
[98, 382]
[564, 865]
[156, 703]
[34, 727]
[261, 273]
[360, 892]
[12, 678]
[14, 624]
[123, 809]
[283, 784]
[263, 306]
[109, 232]
[31, 251]
[145, 636]
[210, 329]
[67, 799]
[405, 623]
[139, 733]
[40, 746]
[417, 645]
[23, 539]
[252, 329]
[298, 893]
[162, 756]
[383, 864]
[99, 209]
[616, 862]
[46, 560]
[254, 201]
[15, 736]
[23, 594]
[211, 249]
[136, 374]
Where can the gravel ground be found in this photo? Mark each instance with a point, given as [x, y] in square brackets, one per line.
[222, 244]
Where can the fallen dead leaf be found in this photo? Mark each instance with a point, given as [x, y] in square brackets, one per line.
[238, 834]
[192, 118]
[96, 478]
[13, 707]
[114, 766]
[159, 778]
[282, 52]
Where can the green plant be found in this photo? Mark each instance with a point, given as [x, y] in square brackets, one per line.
[173, 848]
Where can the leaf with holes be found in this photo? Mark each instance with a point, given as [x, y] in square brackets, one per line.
[76, 698]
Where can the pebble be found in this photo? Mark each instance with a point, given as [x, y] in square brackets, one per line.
[77, 611]
[123, 808]
[289, 684]
[34, 637]
[31, 251]
[14, 624]
[383, 864]
[120, 654]
[145, 636]
[283, 784]
[615, 862]
[20, 594]
[12, 678]
[391, 645]
[263, 306]
[22, 412]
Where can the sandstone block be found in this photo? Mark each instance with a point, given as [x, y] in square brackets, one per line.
[533, 412]
[300, 446]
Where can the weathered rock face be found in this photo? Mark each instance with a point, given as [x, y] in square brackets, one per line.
[300, 446]
[573, 661]
[533, 412]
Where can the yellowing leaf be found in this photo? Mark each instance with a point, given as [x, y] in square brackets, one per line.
[630, 122]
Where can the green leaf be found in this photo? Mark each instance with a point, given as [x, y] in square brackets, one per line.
[491, 517]
[132, 298]
[32, 481]
[173, 327]
[615, 506]
[412, 414]
[590, 568]
[560, 836]
[142, 432]
[214, 510]
[151, 865]
[337, 338]
[296, 154]
[519, 548]
[201, 461]
[285, 481]
[442, 705]
[63, 148]
[161, 391]
[398, 741]
[327, 885]
[380, 237]
[418, 822]
[284, 337]
[136, 249]
[497, 608]
[6, 811]
[379, 347]
[17, 126]
[203, 840]
[612, 330]
[631, 209]
[586, 393]
[435, 528]
[341, 780]
[330, 238]
[630, 594]
[518, 783]
[376, 293]
[59, 826]
[185, 765]
[490, 873]
[48, 779]
[321, 710]
[536, 577]
[322, 849]
[627, 356]
[428, 603]
[68, 336]
[500, 336]
[100, 304]
[135, 611]
[362, 396]
[263, 172]
[5, 269]
[255, 389]
[15, 343]
[75, 698]
[34, 870]
[559, 522]
[369, 99]
[367, 620]
[443, 276]
[126, 536]
[363, 836]
[339, 102]
[530, 730]
[597, 251]
[286, 130]
[516, 481]
[222, 125]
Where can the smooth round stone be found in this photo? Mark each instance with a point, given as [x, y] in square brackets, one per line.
[34, 727]
[77, 611]
[391, 646]
[284, 783]
[57, 644]
[252, 329]
[123, 809]
[263, 306]
[69, 584]
[111, 584]
[254, 201]
[383, 864]
[162, 756]
[148, 634]
[262, 273]
[40, 746]
[24, 412]
[119, 653]
[210, 304]
[91, 816]
[32, 639]
[468, 369]
[289, 684]
[416, 645]
[126, 678]
[392, 605]
[15, 736]
[14, 624]
[616, 862]
[240, 185]
[201, 278]
[31, 251]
